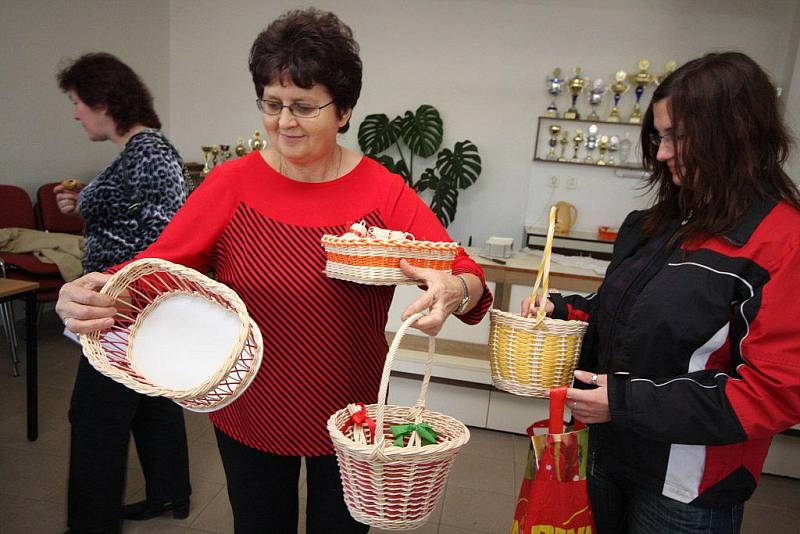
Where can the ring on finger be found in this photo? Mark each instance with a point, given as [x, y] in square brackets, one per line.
[574, 404]
[593, 380]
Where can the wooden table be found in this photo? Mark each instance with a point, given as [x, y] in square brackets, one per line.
[15, 289]
[521, 268]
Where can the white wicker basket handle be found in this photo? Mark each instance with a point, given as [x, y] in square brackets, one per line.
[387, 370]
[543, 275]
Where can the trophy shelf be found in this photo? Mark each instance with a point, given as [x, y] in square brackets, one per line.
[595, 165]
[625, 133]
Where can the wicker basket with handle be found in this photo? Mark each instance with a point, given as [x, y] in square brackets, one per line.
[385, 485]
[531, 355]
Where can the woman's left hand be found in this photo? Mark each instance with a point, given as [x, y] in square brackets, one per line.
[443, 297]
[590, 405]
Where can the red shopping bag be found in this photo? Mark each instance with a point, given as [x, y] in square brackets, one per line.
[553, 498]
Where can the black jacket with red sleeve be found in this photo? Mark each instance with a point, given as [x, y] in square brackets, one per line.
[701, 344]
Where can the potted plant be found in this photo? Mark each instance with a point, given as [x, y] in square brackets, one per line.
[421, 134]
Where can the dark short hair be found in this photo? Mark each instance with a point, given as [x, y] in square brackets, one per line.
[101, 79]
[309, 47]
[733, 147]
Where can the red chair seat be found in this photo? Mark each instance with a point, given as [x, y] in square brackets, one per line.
[30, 264]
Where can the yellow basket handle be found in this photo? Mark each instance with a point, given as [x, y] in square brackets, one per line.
[543, 275]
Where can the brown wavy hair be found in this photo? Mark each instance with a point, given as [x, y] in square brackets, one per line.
[733, 144]
[309, 47]
[101, 79]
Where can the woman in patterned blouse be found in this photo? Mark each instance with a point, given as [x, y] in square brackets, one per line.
[125, 208]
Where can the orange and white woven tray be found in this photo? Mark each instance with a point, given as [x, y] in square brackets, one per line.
[372, 256]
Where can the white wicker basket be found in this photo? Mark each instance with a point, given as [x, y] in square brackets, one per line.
[390, 487]
[149, 284]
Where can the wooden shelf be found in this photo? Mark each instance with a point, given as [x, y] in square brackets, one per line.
[618, 126]
[620, 123]
[570, 162]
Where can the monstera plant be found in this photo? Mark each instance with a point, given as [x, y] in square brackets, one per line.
[420, 134]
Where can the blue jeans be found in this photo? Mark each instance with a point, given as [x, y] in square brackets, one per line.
[619, 507]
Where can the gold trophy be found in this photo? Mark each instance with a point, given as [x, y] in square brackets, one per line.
[596, 93]
[255, 142]
[591, 143]
[618, 88]
[240, 149]
[206, 156]
[576, 85]
[642, 79]
[555, 84]
[602, 146]
[215, 152]
[555, 129]
[225, 152]
[564, 142]
[669, 68]
[576, 143]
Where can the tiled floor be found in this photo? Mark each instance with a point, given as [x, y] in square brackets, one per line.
[480, 496]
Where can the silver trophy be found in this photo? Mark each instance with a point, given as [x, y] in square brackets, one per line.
[625, 147]
[596, 93]
[613, 146]
[590, 143]
[555, 84]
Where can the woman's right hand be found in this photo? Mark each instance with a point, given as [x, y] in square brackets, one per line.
[526, 310]
[68, 199]
[82, 308]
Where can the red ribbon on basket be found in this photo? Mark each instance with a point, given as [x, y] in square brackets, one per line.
[360, 418]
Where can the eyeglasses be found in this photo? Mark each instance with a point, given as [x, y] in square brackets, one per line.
[668, 140]
[299, 110]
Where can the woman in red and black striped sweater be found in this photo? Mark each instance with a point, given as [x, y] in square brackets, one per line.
[257, 223]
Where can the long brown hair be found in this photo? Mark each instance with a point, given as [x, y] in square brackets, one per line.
[732, 144]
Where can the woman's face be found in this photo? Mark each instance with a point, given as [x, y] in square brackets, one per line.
[670, 140]
[95, 121]
[302, 140]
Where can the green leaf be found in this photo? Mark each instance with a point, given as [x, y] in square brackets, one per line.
[397, 167]
[445, 195]
[377, 133]
[422, 131]
[460, 166]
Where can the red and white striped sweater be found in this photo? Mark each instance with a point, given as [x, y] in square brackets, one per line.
[324, 342]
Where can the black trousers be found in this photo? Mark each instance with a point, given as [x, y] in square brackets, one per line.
[103, 413]
[262, 488]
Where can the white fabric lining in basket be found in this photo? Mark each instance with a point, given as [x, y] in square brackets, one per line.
[179, 343]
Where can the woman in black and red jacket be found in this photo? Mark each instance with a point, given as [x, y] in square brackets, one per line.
[693, 349]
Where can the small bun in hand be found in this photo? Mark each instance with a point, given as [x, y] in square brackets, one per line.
[70, 185]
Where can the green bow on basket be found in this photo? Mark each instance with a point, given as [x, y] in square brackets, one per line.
[423, 430]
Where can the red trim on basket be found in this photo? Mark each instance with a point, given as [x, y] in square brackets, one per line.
[359, 418]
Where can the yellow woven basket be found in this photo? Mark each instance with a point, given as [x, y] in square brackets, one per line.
[387, 486]
[150, 283]
[531, 355]
[374, 259]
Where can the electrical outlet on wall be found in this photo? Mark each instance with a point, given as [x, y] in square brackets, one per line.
[553, 182]
[572, 183]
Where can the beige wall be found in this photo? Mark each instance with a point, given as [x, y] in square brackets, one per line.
[791, 98]
[39, 140]
[483, 64]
